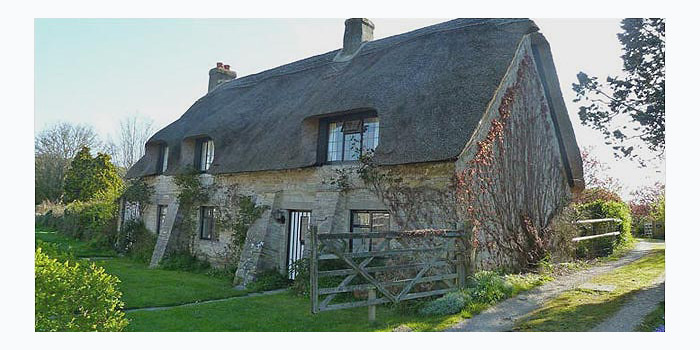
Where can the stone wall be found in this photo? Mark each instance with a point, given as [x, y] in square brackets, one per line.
[265, 247]
[512, 179]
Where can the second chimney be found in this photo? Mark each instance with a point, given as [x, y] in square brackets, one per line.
[219, 75]
[357, 32]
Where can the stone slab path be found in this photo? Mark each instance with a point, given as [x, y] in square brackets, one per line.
[257, 294]
[502, 317]
[634, 310]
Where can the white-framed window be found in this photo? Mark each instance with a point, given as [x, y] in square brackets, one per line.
[163, 158]
[206, 222]
[205, 155]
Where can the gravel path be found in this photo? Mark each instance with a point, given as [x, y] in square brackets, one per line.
[502, 317]
[257, 294]
[633, 311]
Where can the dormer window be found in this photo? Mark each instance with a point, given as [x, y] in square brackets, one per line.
[204, 154]
[348, 139]
[162, 158]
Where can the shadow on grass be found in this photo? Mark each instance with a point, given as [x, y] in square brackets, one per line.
[578, 311]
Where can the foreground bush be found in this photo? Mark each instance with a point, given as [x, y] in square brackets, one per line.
[71, 297]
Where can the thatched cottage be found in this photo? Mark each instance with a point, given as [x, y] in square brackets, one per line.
[459, 124]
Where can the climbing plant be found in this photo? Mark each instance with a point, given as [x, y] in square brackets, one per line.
[512, 186]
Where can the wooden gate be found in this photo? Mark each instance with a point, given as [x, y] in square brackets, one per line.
[397, 266]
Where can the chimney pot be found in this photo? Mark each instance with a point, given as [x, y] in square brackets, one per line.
[219, 75]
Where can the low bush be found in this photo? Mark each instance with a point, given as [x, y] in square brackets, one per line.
[54, 250]
[269, 280]
[71, 297]
[488, 287]
[88, 220]
[136, 241]
[184, 261]
[448, 304]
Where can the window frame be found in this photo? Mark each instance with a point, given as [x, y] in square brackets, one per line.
[324, 133]
[200, 164]
[202, 210]
[371, 223]
[163, 155]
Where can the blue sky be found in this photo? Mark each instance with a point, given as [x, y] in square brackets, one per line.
[99, 71]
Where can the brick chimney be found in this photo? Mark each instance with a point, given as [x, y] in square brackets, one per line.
[219, 75]
[357, 32]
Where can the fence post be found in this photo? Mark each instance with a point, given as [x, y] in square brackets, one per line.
[372, 309]
[313, 269]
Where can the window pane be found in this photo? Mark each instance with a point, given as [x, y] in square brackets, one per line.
[210, 153]
[370, 137]
[360, 219]
[335, 142]
[351, 147]
[165, 159]
[380, 222]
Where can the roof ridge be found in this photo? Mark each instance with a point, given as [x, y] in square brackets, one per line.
[369, 47]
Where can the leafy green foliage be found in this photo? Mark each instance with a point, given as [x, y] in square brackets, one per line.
[488, 287]
[138, 191]
[606, 245]
[94, 220]
[135, 241]
[248, 213]
[184, 261]
[448, 304]
[73, 297]
[639, 94]
[91, 178]
[269, 280]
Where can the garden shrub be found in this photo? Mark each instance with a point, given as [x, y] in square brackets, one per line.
[184, 261]
[268, 280]
[606, 245]
[448, 304]
[136, 241]
[69, 296]
[488, 287]
[54, 250]
[91, 220]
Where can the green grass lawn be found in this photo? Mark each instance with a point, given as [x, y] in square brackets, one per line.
[144, 287]
[580, 309]
[69, 244]
[277, 313]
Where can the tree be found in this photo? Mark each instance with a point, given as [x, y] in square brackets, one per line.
[91, 178]
[129, 147]
[54, 148]
[639, 94]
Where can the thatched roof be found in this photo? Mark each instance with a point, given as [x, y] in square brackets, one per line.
[430, 87]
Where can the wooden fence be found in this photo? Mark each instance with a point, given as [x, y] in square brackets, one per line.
[598, 228]
[387, 267]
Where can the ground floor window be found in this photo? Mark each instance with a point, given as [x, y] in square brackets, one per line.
[367, 221]
[206, 222]
[160, 224]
